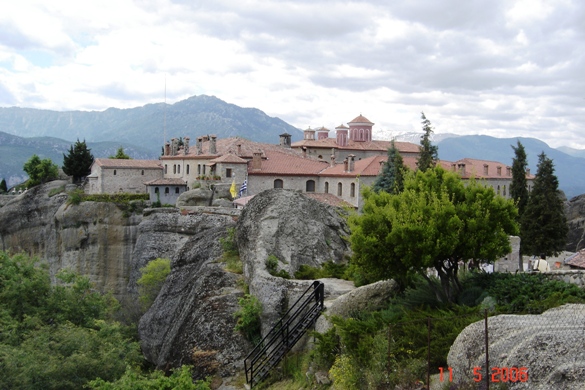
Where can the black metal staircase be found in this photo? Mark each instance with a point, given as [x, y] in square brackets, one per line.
[285, 334]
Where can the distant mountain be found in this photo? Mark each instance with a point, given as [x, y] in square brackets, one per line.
[567, 168]
[145, 126]
[572, 152]
[15, 151]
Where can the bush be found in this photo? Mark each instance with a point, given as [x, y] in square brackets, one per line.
[272, 268]
[153, 278]
[249, 317]
[134, 379]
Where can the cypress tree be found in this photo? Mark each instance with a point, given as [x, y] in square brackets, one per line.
[519, 187]
[429, 154]
[391, 179]
[544, 226]
[77, 162]
[3, 187]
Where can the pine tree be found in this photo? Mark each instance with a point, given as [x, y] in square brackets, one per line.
[120, 155]
[391, 179]
[544, 226]
[77, 162]
[429, 154]
[3, 187]
[519, 186]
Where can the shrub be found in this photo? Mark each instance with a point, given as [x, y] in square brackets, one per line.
[76, 196]
[249, 317]
[153, 277]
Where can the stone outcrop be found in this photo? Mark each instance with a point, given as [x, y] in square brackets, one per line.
[575, 212]
[296, 230]
[549, 345]
[210, 195]
[192, 320]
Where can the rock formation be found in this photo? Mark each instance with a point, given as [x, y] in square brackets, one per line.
[549, 345]
[296, 230]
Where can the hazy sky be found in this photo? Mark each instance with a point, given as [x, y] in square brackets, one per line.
[496, 67]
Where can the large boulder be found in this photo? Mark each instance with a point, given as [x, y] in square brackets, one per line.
[296, 230]
[192, 319]
[549, 345]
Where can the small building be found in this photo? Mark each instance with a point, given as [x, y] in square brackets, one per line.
[110, 176]
[165, 191]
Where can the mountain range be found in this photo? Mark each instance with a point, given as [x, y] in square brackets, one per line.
[141, 131]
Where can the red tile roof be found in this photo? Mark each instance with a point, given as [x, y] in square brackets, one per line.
[360, 119]
[374, 145]
[127, 163]
[577, 260]
[229, 158]
[477, 168]
[166, 182]
[277, 162]
[329, 199]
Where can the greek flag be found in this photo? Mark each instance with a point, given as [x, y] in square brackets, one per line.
[243, 188]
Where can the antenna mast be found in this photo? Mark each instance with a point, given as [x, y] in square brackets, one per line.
[165, 115]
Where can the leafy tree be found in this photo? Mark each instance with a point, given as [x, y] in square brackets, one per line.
[429, 153]
[544, 226]
[120, 155]
[391, 179]
[133, 379]
[436, 222]
[3, 187]
[40, 171]
[153, 277]
[77, 163]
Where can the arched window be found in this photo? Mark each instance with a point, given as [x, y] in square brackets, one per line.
[178, 169]
[339, 189]
[187, 169]
[114, 172]
[174, 168]
[278, 183]
[504, 191]
[199, 169]
[143, 172]
[156, 190]
[352, 190]
[166, 169]
[176, 190]
[167, 191]
[326, 187]
[310, 186]
[498, 190]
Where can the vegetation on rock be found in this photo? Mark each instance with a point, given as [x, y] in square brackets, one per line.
[40, 171]
[77, 162]
[152, 278]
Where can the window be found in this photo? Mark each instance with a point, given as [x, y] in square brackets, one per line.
[504, 191]
[339, 189]
[352, 190]
[174, 168]
[310, 186]
[167, 190]
[143, 172]
[204, 169]
[178, 169]
[199, 169]
[156, 190]
[176, 190]
[326, 187]
[187, 169]
[114, 172]
[498, 190]
[166, 168]
[278, 183]
[228, 172]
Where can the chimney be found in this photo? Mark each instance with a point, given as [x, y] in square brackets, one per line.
[167, 149]
[285, 140]
[257, 160]
[174, 146]
[332, 160]
[462, 169]
[345, 165]
[199, 145]
[528, 171]
[212, 148]
[186, 145]
[239, 149]
[351, 163]
[304, 151]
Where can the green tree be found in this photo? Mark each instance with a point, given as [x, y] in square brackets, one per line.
[3, 187]
[77, 163]
[133, 379]
[436, 222]
[120, 155]
[391, 179]
[429, 153]
[40, 171]
[519, 185]
[153, 277]
[544, 226]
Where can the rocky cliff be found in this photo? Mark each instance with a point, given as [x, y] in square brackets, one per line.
[575, 212]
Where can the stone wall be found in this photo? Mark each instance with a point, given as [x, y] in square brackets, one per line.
[569, 276]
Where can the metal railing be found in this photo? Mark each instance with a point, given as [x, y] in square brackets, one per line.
[284, 334]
